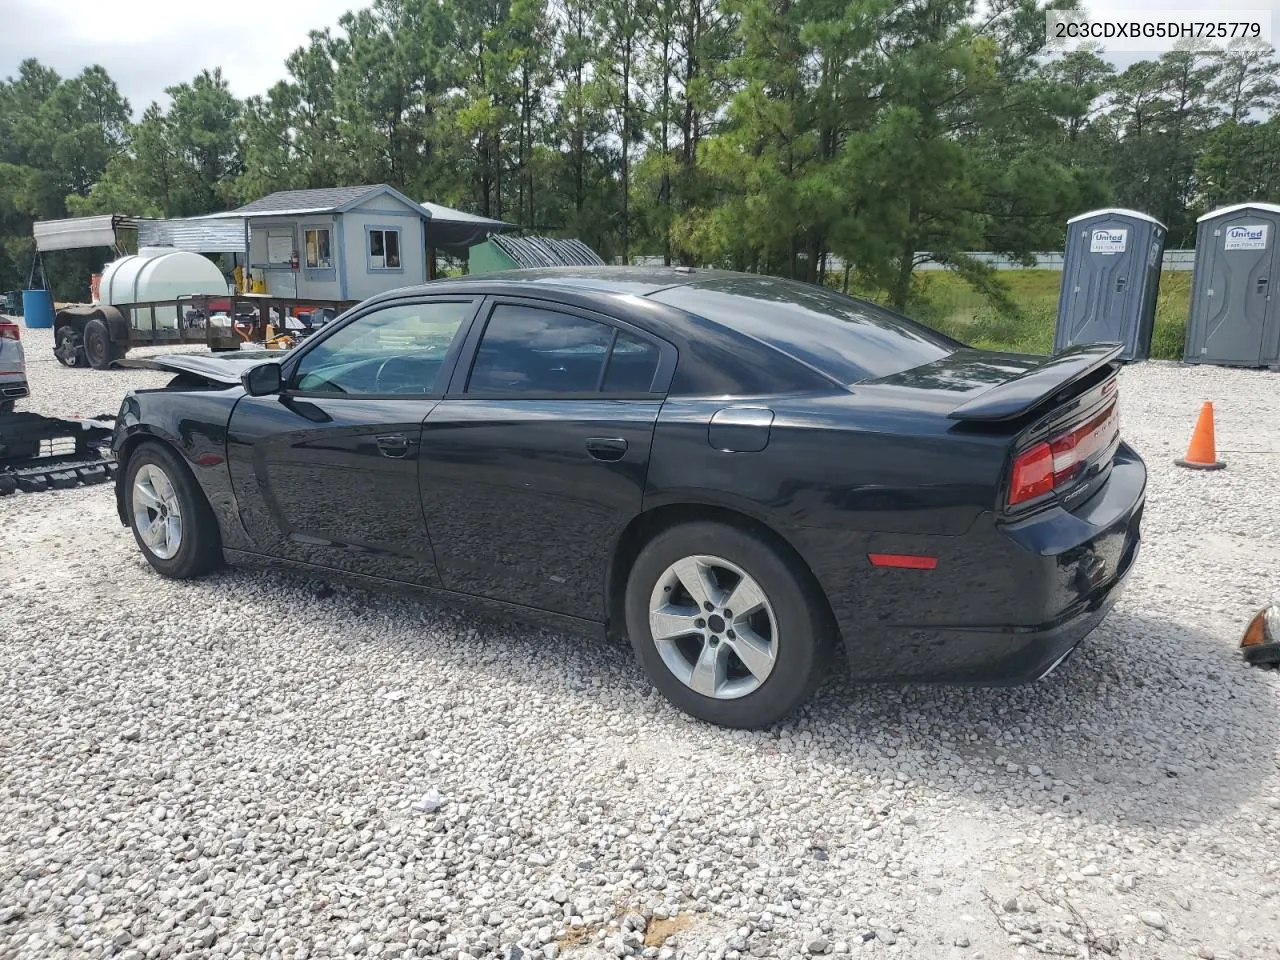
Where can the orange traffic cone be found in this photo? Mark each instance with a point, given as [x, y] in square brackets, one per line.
[1202, 454]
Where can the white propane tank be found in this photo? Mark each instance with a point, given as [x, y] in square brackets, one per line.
[159, 273]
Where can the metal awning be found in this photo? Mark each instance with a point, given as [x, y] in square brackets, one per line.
[79, 233]
[197, 234]
[456, 231]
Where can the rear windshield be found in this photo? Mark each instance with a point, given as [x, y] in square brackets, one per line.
[847, 339]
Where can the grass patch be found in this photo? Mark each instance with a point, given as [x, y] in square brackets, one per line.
[944, 301]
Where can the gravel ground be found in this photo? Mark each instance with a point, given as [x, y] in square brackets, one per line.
[248, 766]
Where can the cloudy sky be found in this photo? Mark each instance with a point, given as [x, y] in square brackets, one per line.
[147, 45]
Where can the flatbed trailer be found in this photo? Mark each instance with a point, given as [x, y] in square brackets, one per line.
[98, 335]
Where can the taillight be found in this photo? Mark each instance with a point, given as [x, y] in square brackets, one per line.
[10, 330]
[1032, 474]
[1055, 463]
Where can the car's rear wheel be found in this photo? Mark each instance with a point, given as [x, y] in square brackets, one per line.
[169, 516]
[727, 626]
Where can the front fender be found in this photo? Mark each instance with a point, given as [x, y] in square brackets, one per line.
[193, 423]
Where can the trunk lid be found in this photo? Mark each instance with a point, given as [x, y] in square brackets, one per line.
[1060, 413]
[984, 386]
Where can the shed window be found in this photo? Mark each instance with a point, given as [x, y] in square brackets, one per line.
[384, 249]
[319, 249]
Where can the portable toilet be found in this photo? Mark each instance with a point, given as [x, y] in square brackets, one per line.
[1110, 279]
[1235, 316]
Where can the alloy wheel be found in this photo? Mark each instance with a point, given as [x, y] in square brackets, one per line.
[714, 627]
[157, 512]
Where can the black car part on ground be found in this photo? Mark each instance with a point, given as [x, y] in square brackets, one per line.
[49, 453]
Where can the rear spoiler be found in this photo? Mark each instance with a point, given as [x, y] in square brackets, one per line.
[1023, 393]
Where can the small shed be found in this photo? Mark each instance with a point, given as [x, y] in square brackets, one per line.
[1110, 279]
[1235, 313]
[335, 243]
[502, 252]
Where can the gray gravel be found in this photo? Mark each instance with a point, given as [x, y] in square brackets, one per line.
[248, 766]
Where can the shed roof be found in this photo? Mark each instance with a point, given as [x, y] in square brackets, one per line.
[1235, 207]
[286, 203]
[454, 231]
[439, 212]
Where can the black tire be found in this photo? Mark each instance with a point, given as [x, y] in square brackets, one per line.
[68, 348]
[804, 636]
[100, 350]
[6, 407]
[200, 545]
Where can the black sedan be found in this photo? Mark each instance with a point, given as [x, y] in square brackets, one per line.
[740, 473]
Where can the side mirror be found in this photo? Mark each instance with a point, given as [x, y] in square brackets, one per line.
[262, 380]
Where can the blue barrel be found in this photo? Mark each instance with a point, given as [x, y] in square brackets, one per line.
[37, 308]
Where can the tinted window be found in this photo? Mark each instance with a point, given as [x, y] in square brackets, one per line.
[530, 350]
[847, 339]
[632, 365]
[398, 349]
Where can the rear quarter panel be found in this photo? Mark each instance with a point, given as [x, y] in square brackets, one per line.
[843, 476]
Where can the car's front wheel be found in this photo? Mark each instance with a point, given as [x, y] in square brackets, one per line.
[169, 516]
[726, 625]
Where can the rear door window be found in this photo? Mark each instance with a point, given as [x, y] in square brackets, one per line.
[528, 350]
[632, 365]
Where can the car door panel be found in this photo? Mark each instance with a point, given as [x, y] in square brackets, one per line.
[526, 492]
[334, 482]
[520, 503]
[327, 471]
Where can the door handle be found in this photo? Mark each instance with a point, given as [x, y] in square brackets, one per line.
[393, 445]
[607, 448]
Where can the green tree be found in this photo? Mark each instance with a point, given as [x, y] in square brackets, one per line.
[622, 24]
[1246, 81]
[1240, 162]
[289, 137]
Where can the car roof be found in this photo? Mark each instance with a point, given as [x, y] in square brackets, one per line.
[636, 281]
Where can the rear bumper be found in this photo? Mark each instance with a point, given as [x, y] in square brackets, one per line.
[1007, 601]
[1011, 655]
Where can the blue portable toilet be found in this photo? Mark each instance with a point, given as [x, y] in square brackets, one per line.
[37, 308]
[1110, 280]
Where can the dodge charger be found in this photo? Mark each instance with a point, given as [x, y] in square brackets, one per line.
[743, 475]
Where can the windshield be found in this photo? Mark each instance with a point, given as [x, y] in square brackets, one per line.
[847, 339]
